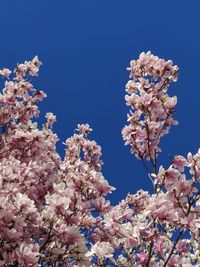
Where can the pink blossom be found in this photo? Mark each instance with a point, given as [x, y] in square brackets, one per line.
[5, 72]
[101, 250]
[50, 118]
[180, 162]
[142, 258]
[27, 255]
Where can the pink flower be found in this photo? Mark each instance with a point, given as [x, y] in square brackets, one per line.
[101, 250]
[50, 118]
[174, 261]
[142, 258]
[101, 204]
[70, 234]
[180, 162]
[83, 128]
[5, 72]
[27, 255]
[170, 102]
[182, 246]
[171, 174]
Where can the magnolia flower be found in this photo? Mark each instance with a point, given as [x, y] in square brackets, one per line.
[101, 250]
[83, 128]
[51, 118]
[27, 254]
[142, 258]
[180, 162]
[5, 72]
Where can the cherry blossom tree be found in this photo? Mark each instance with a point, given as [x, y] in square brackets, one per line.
[56, 212]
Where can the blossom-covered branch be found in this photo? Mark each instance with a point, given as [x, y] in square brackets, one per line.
[55, 212]
[151, 108]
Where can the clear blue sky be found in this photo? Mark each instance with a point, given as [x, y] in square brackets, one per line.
[85, 47]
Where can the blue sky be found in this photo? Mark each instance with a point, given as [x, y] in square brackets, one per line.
[85, 47]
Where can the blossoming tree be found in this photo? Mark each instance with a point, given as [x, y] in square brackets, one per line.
[55, 213]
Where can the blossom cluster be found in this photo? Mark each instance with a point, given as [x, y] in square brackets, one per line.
[55, 212]
[151, 108]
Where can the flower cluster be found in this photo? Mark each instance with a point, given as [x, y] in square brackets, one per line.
[48, 207]
[55, 212]
[151, 108]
